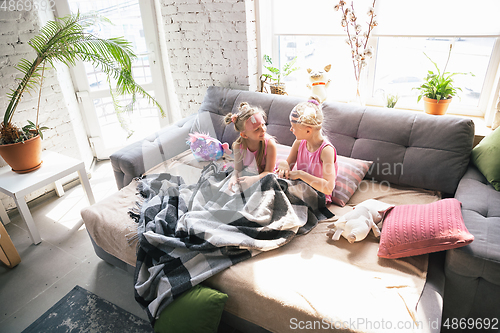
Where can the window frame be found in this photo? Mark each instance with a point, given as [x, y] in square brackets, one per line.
[86, 96]
[268, 43]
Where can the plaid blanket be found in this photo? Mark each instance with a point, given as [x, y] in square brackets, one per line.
[190, 233]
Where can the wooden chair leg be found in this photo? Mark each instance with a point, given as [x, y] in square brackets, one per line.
[8, 252]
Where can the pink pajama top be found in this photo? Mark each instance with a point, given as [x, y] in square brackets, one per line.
[250, 158]
[311, 162]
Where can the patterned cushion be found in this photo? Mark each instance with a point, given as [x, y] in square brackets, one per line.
[350, 173]
[411, 230]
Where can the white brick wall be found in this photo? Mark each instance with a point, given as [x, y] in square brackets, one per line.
[210, 42]
[58, 109]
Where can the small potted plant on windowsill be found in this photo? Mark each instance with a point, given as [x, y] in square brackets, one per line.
[65, 40]
[391, 100]
[438, 89]
[277, 74]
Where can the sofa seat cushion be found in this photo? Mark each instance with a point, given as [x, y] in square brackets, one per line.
[464, 264]
[481, 213]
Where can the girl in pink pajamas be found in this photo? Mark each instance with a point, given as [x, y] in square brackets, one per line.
[312, 158]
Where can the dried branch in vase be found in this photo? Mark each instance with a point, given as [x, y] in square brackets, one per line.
[357, 38]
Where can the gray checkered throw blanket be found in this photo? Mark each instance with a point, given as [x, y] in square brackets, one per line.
[188, 233]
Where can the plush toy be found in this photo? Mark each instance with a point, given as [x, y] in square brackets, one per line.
[318, 82]
[206, 148]
[356, 225]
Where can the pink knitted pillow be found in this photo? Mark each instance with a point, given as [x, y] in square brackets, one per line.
[410, 230]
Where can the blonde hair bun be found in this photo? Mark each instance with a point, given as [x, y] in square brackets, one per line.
[309, 113]
[244, 106]
[228, 118]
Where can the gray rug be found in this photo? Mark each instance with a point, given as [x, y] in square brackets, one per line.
[82, 311]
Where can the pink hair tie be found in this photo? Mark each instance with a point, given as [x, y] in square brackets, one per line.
[313, 101]
[234, 117]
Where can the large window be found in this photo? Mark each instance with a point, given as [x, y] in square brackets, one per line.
[401, 65]
[314, 35]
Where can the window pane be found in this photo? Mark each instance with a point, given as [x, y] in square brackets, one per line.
[127, 23]
[401, 65]
[316, 52]
[117, 127]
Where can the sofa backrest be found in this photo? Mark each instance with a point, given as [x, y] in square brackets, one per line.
[407, 147]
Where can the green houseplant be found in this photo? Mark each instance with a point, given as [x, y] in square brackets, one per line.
[63, 40]
[438, 88]
[277, 74]
[391, 100]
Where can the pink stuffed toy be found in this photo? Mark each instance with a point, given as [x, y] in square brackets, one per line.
[206, 148]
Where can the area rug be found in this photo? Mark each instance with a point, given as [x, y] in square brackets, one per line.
[82, 311]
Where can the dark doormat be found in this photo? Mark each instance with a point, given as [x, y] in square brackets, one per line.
[82, 311]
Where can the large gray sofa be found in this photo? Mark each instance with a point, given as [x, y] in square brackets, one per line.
[431, 152]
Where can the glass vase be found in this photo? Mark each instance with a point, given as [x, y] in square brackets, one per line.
[361, 87]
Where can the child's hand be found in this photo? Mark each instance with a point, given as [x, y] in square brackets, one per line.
[247, 181]
[295, 174]
[233, 183]
[283, 169]
[241, 183]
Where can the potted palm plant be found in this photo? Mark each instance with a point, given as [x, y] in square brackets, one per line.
[438, 89]
[277, 74]
[65, 40]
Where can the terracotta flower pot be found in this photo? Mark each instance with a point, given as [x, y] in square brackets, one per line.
[24, 156]
[432, 106]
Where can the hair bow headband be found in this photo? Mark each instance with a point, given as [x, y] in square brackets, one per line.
[254, 121]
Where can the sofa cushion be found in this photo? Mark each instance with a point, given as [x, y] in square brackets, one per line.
[197, 310]
[410, 230]
[481, 213]
[462, 263]
[417, 150]
[131, 161]
[351, 173]
[486, 157]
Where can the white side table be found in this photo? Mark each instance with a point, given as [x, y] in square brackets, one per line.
[55, 166]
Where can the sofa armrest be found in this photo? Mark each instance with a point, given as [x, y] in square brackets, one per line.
[135, 159]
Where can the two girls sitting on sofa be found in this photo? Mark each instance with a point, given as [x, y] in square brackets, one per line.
[312, 155]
